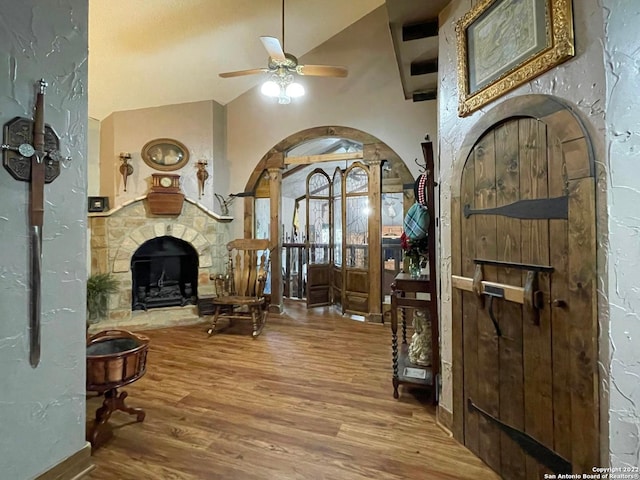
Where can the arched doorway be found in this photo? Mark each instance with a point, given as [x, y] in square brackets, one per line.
[387, 173]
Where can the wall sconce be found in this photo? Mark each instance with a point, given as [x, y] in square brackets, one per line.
[126, 168]
[202, 175]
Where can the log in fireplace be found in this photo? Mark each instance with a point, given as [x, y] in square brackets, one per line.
[164, 273]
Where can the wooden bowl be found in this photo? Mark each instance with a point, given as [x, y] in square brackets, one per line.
[115, 358]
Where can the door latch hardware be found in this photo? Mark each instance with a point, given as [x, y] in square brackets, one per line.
[494, 292]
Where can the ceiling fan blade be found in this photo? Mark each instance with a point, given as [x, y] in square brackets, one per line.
[273, 47]
[322, 70]
[240, 73]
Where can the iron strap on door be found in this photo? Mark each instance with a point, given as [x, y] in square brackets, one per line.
[532, 209]
[538, 451]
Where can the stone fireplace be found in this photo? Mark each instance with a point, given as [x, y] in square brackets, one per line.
[162, 263]
[164, 273]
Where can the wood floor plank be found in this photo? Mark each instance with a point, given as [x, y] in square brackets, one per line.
[311, 398]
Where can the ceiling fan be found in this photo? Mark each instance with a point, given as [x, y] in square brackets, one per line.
[282, 67]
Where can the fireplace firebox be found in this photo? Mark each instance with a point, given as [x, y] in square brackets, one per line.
[164, 273]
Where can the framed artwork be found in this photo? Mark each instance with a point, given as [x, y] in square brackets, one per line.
[98, 204]
[165, 154]
[505, 43]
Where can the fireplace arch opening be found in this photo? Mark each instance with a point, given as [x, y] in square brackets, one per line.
[164, 273]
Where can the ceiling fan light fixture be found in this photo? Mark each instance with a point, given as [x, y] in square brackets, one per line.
[282, 67]
[282, 85]
[294, 90]
[270, 88]
[284, 99]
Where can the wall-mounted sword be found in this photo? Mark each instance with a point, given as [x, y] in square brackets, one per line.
[35, 164]
[36, 219]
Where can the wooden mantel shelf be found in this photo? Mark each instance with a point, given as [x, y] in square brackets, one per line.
[211, 213]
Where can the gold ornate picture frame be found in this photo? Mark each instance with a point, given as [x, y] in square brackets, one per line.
[165, 154]
[505, 43]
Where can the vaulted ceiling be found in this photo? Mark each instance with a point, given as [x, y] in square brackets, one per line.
[414, 32]
[151, 53]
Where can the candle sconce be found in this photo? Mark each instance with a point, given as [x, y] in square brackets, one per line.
[126, 169]
[202, 175]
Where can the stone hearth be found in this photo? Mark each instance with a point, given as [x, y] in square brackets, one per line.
[117, 235]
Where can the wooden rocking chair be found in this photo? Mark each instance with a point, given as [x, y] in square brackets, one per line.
[240, 292]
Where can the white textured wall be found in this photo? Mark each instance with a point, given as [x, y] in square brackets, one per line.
[580, 82]
[220, 172]
[369, 99]
[622, 45]
[42, 410]
[93, 169]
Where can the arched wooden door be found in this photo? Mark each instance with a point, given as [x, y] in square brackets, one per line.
[524, 300]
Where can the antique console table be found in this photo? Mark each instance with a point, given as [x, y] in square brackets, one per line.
[404, 372]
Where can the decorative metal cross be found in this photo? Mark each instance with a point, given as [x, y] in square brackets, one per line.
[35, 159]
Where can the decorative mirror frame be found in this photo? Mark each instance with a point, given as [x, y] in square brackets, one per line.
[544, 37]
[156, 152]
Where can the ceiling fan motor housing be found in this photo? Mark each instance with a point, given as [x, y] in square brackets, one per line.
[290, 62]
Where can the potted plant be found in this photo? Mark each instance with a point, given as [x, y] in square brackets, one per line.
[99, 287]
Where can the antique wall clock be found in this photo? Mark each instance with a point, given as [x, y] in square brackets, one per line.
[165, 196]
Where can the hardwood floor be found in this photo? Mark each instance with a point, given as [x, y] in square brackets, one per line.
[311, 398]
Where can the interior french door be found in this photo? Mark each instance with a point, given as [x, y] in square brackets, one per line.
[336, 246]
[338, 239]
[355, 252]
[319, 237]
